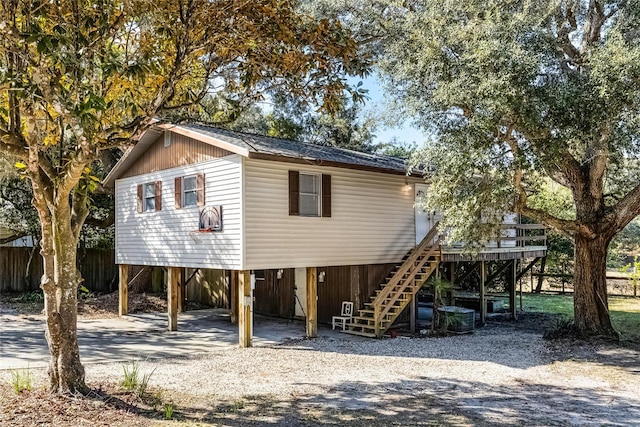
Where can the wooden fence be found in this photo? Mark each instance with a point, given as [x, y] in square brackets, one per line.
[97, 267]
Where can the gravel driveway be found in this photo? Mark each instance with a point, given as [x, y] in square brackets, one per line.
[501, 375]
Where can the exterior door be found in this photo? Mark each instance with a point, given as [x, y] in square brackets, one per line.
[424, 220]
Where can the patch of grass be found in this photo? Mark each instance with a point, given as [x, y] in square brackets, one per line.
[625, 315]
[625, 312]
[543, 303]
[560, 327]
[21, 380]
[141, 391]
[31, 297]
[132, 380]
[169, 409]
[238, 405]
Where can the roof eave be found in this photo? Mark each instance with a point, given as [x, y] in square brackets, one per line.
[320, 162]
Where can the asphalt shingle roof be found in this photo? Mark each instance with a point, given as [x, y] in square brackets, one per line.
[299, 150]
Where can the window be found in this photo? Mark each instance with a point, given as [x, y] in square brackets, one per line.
[189, 191]
[150, 197]
[309, 194]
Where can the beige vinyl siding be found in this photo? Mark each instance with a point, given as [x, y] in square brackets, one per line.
[372, 219]
[169, 237]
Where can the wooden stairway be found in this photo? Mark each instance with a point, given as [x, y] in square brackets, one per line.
[404, 281]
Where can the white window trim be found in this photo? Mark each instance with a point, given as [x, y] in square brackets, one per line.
[318, 194]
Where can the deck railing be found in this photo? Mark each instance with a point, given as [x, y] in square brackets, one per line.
[513, 236]
[519, 235]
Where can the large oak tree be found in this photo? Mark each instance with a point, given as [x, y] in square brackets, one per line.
[518, 93]
[78, 77]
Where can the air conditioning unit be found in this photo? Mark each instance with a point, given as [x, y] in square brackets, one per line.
[457, 319]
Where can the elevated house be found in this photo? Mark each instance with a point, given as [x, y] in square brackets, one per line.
[293, 229]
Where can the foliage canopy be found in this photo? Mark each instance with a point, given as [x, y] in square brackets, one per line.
[517, 93]
[78, 78]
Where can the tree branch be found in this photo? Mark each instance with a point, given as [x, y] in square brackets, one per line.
[10, 239]
[568, 228]
[627, 209]
[595, 20]
[79, 212]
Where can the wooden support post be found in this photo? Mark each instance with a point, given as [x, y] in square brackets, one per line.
[312, 302]
[235, 300]
[245, 318]
[511, 281]
[123, 289]
[354, 284]
[180, 291]
[173, 283]
[483, 299]
[541, 276]
[413, 308]
[452, 266]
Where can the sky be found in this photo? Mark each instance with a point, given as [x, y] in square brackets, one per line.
[403, 131]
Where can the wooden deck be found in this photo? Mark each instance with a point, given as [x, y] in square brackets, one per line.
[519, 241]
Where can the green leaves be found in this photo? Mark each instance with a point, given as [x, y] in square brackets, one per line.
[516, 94]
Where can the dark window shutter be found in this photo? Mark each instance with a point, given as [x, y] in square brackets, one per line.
[200, 189]
[139, 198]
[294, 193]
[326, 195]
[158, 198]
[177, 190]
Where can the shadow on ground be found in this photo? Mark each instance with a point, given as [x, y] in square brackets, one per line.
[421, 402]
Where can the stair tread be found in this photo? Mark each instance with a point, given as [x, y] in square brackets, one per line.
[362, 334]
[416, 271]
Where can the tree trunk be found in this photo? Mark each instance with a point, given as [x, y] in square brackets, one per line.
[60, 286]
[591, 306]
[541, 276]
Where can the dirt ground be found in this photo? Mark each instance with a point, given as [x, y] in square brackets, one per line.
[101, 306]
[504, 374]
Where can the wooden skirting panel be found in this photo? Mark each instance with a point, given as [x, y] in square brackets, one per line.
[275, 297]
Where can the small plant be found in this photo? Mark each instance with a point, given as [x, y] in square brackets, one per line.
[132, 380]
[560, 327]
[21, 380]
[85, 293]
[440, 287]
[237, 405]
[31, 297]
[144, 384]
[156, 400]
[634, 274]
[131, 376]
[169, 408]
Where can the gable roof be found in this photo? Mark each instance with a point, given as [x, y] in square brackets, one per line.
[262, 147]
